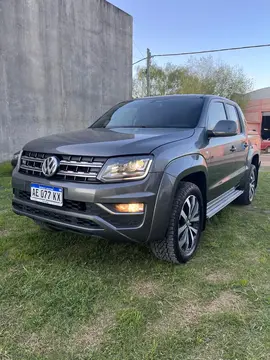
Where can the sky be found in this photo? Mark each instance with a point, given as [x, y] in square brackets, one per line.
[192, 25]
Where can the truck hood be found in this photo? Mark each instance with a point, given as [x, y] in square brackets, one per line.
[108, 142]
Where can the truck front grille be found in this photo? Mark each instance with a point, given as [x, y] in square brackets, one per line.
[72, 168]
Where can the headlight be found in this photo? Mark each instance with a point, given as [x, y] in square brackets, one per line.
[16, 158]
[125, 168]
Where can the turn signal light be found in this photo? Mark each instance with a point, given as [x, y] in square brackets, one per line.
[129, 208]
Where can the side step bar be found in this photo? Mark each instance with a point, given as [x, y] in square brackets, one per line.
[214, 206]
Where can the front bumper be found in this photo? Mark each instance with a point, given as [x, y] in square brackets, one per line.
[81, 211]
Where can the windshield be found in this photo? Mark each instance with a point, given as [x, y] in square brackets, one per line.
[171, 112]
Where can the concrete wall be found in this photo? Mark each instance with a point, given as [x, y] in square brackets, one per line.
[62, 64]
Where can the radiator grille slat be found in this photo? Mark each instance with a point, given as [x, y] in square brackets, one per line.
[72, 168]
[82, 163]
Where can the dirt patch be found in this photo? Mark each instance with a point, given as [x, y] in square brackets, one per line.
[41, 343]
[190, 313]
[179, 317]
[227, 301]
[145, 288]
[219, 277]
[94, 334]
[210, 350]
[3, 233]
[253, 256]
[34, 343]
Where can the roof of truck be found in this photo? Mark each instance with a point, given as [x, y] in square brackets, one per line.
[209, 96]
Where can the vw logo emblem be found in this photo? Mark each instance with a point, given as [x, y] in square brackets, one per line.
[50, 166]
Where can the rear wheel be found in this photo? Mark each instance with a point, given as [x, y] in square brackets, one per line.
[250, 188]
[185, 226]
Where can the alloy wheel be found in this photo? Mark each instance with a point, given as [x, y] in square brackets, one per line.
[252, 185]
[188, 225]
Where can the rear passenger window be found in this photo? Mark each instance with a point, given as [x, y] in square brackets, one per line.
[216, 113]
[233, 115]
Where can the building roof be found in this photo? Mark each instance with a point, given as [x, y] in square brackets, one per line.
[259, 94]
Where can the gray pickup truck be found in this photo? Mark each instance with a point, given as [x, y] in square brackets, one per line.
[150, 170]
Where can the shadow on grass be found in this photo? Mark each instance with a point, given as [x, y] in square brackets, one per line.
[99, 253]
[85, 250]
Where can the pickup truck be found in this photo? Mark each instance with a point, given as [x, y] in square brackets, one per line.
[266, 145]
[150, 170]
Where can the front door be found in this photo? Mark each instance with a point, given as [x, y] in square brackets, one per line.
[220, 155]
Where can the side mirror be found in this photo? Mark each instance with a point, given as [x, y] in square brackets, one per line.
[223, 128]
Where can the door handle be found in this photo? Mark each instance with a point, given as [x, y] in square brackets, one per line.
[233, 149]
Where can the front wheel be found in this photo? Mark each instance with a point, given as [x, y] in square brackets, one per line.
[185, 226]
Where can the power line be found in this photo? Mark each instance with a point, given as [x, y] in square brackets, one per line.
[215, 50]
[206, 51]
[136, 62]
[137, 48]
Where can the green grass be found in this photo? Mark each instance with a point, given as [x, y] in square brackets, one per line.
[65, 296]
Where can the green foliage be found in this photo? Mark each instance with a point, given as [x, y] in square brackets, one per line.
[5, 169]
[197, 76]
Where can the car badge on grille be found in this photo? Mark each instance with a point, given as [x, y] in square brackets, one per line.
[50, 166]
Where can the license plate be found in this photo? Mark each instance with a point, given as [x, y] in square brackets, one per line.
[47, 194]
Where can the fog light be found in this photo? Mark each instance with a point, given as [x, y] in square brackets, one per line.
[129, 208]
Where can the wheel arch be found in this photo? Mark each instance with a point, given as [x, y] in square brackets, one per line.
[256, 161]
[253, 159]
[191, 168]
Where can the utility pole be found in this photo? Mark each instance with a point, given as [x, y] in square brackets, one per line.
[149, 56]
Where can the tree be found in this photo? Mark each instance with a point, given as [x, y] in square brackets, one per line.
[197, 76]
[165, 80]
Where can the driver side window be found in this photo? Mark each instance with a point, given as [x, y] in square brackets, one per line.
[216, 112]
[233, 115]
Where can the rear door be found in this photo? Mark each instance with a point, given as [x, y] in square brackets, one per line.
[240, 143]
[219, 154]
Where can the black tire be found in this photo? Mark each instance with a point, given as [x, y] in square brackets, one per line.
[245, 198]
[169, 249]
[47, 227]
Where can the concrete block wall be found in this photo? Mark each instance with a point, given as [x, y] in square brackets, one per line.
[62, 64]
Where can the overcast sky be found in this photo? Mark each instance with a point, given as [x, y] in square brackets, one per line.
[186, 25]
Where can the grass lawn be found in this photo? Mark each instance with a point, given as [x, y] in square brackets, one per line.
[65, 296]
